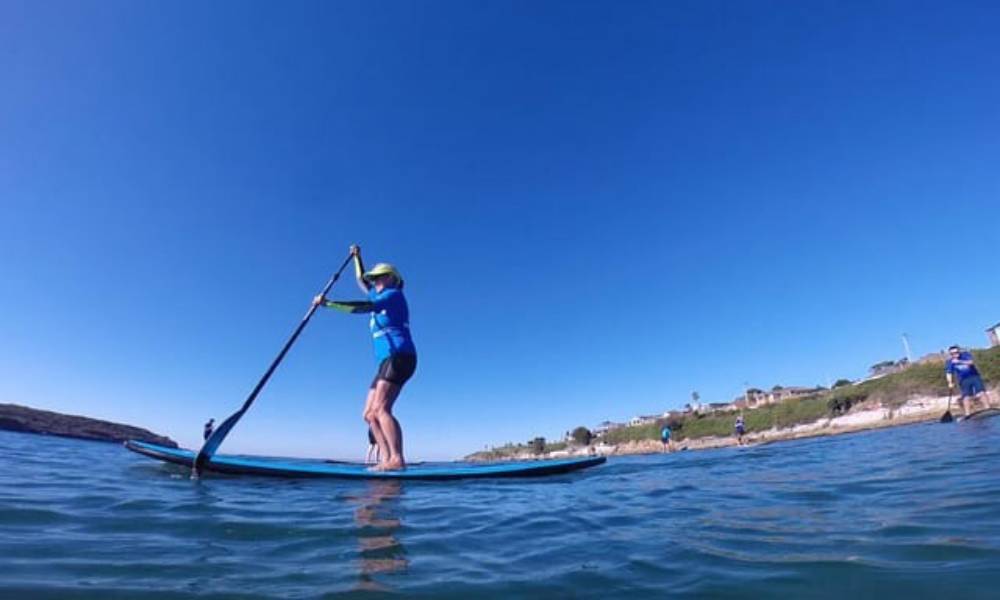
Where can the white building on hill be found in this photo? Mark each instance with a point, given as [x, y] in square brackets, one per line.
[994, 334]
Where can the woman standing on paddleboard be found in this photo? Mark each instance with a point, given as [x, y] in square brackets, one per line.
[395, 354]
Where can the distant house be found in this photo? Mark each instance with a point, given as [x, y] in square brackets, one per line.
[781, 394]
[994, 334]
[755, 398]
[933, 357]
[643, 420]
[607, 426]
[887, 367]
[752, 398]
[720, 406]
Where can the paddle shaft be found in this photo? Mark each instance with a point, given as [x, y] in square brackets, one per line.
[946, 417]
[215, 440]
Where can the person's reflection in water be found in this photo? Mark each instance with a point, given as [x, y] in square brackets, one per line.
[381, 552]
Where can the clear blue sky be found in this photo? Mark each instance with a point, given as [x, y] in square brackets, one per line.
[598, 207]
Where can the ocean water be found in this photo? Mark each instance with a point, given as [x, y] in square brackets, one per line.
[906, 512]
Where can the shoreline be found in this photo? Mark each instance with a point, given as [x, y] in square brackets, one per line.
[919, 409]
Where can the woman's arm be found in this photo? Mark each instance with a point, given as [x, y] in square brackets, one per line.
[359, 269]
[362, 306]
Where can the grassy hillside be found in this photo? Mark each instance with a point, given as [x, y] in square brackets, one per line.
[891, 390]
[923, 379]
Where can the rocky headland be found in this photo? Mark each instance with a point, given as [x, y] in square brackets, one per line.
[14, 417]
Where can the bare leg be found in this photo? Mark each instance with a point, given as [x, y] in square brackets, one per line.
[394, 438]
[371, 418]
[382, 401]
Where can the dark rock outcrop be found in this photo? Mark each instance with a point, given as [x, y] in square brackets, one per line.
[31, 420]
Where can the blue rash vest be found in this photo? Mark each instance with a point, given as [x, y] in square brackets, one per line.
[963, 371]
[390, 324]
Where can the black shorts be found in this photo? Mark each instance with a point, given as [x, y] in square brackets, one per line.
[396, 369]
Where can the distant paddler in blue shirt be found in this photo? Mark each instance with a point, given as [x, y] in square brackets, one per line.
[665, 438]
[960, 363]
[395, 354]
[740, 429]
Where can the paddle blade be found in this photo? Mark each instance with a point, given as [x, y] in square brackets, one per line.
[214, 441]
[947, 418]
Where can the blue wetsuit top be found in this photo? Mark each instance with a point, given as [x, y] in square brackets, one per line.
[963, 371]
[390, 324]
[665, 433]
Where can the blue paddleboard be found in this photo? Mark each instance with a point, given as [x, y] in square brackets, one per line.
[981, 414]
[302, 467]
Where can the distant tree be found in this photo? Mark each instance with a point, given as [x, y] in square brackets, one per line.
[695, 397]
[537, 445]
[777, 387]
[674, 423]
[841, 383]
[581, 435]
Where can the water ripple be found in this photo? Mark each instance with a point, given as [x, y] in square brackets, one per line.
[912, 510]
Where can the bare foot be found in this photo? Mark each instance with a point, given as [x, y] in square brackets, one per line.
[391, 465]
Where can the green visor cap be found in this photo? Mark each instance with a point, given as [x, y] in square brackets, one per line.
[383, 269]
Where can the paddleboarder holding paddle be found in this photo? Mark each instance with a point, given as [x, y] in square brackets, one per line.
[395, 354]
[665, 432]
[971, 384]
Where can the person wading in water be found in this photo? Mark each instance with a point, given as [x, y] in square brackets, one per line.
[960, 363]
[668, 446]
